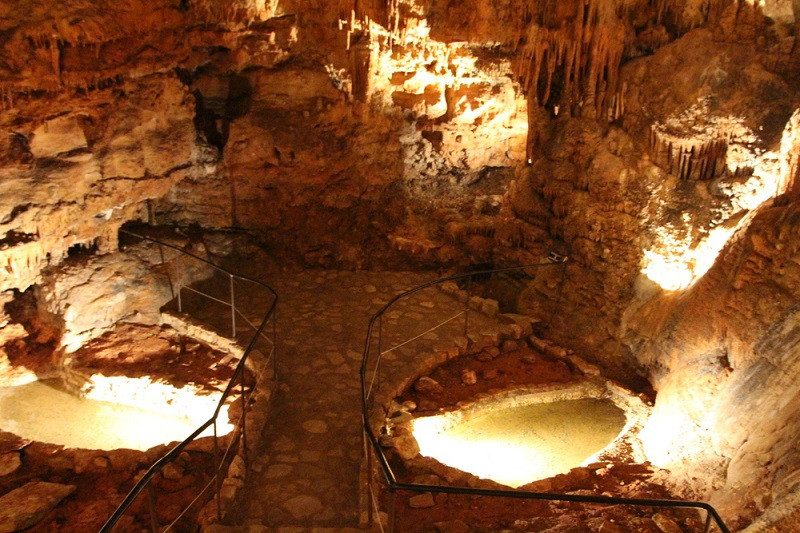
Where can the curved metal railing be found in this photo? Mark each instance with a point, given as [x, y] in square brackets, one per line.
[146, 482]
[372, 445]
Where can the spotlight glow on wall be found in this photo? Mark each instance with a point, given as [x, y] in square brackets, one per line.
[685, 247]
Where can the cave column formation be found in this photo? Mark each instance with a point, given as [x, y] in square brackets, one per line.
[656, 143]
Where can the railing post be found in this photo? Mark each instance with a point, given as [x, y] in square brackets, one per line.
[378, 370]
[217, 477]
[370, 494]
[274, 342]
[163, 262]
[148, 483]
[466, 308]
[151, 213]
[244, 420]
[151, 503]
[383, 471]
[392, 503]
[233, 309]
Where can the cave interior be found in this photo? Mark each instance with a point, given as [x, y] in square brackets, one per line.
[342, 152]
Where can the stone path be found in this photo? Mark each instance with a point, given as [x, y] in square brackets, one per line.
[307, 475]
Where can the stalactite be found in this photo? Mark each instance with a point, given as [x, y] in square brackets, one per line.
[393, 20]
[55, 58]
[359, 66]
[616, 109]
[586, 54]
[790, 156]
[695, 159]
[669, 12]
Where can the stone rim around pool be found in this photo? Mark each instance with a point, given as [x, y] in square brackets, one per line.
[401, 426]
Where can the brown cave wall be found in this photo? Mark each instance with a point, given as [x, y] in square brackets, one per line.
[420, 141]
[98, 123]
[407, 118]
[84, 166]
[644, 206]
[432, 84]
[90, 164]
[99, 119]
[346, 151]
[606, 195]
[300, 169]
[724, 357]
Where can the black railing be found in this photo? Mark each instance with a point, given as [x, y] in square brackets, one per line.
[237, 378]
[372, 447]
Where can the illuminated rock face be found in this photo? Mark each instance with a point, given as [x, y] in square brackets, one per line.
[87, 294]
[654, 143]
[81, 175]
[726, 356]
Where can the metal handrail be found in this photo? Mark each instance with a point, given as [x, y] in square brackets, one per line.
[237, 373]
[391, 480]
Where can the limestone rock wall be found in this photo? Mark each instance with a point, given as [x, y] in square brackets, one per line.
[89, 294]
[99, 122]
[348, 150]
[724, 358]
[614, 196]
[84, 171]
[99, 119]
[656, 210]
[84, 297]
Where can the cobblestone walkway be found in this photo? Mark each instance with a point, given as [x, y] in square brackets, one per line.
[307, 475]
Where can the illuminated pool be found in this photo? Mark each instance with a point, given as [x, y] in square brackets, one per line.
[42, 412]
[520, 444]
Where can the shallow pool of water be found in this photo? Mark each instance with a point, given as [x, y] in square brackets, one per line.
[517, 445]
[41, 412]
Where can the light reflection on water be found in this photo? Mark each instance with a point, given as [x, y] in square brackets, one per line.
[42, 412]
[518, 445]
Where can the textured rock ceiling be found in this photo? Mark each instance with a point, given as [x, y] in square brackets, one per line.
[654, 142]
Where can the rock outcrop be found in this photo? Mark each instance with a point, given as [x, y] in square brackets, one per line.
[88, 295]
[24, 507]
